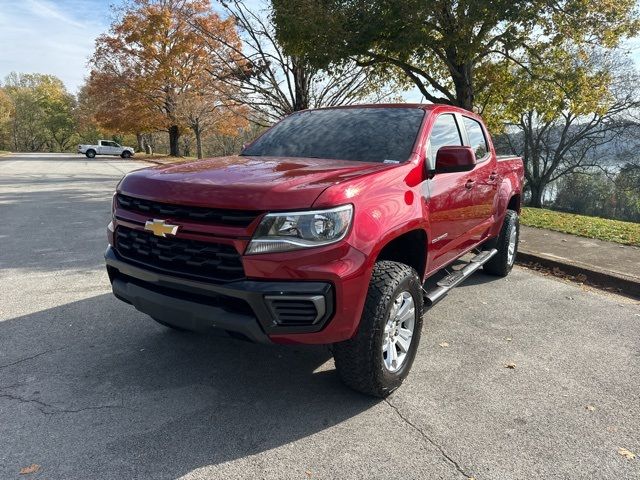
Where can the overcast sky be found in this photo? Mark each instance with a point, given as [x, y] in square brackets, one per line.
[57, 37]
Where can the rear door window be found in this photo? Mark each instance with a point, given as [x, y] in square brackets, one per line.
[477, 141]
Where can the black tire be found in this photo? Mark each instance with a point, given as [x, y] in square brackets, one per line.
[360, 360]
[501, 264]
[172, 327]
[126, 154]
[90, 153]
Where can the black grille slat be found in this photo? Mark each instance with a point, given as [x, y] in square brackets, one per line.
[217, 262]
[233, 218]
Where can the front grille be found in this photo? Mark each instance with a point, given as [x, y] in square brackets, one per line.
[210, 261]
[296, 311]
[234, 218]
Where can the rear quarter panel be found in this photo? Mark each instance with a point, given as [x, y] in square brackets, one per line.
[511, 174]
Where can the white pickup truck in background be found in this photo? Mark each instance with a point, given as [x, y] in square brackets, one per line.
[105, 147]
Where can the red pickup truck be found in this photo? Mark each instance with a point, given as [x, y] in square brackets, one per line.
[322, 231]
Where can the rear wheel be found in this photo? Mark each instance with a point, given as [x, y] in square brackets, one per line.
[126, 154]
[507, 246]
[90, 153]
[377, 360]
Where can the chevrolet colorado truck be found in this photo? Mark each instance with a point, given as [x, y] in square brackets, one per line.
[105, 147]
[322, 231]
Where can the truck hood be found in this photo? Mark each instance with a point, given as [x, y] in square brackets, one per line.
[244, 182]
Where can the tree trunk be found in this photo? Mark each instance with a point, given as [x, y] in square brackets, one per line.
[300, 84]
[148, 146]
[462, 75]
[140, 141]
[198, 135]
[174, 139]
[537, 191]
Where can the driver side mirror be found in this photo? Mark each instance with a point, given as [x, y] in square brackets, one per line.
[455, 159]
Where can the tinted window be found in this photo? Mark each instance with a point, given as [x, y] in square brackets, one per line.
[363, 134]
[444, 133]
[476, 137]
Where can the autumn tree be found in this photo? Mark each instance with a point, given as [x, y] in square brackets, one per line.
[118, 110]
[439, 45]
[154, 56]
[208, 111]
[272, 83]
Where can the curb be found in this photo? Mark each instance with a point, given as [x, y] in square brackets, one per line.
[620, 282]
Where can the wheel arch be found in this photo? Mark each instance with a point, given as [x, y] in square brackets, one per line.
[515, 202]
[409, 248]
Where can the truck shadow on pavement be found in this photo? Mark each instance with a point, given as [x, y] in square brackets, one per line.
[95, 389]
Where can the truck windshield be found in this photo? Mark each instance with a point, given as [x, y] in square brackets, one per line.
[362, 134]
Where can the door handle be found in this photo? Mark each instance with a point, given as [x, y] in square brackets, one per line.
[469, 184]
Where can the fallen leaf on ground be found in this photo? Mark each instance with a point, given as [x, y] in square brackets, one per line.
[510, 365]
[34, 468]
[591, 408]
[444, 344]
[508, 339]
[626, 453]
[308, 472]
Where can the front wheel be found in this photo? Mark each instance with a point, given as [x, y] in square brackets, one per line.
[507, 246]
[377, 360]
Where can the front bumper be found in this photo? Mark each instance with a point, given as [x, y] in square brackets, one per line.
[242, 307]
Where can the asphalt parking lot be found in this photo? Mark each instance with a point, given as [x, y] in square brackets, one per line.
[90, 388]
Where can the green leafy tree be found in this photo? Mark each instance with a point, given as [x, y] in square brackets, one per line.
[59, 120]
[441, 46]
[627, 191]
[563, 117]
[6, 113]
[273, 84]
[42, 112]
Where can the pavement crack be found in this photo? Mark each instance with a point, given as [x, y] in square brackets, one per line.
[48, 409]
[26, 400]
[24, 359]
[91, 407]
[442, 451]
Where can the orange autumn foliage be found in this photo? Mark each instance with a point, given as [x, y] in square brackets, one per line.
[153, 62]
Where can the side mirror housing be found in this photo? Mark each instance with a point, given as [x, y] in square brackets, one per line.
[455, 159]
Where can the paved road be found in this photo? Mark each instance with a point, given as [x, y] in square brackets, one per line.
[90, 388]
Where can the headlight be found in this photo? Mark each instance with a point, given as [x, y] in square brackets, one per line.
[280, 232]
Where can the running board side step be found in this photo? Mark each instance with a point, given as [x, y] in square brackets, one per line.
[451, 281]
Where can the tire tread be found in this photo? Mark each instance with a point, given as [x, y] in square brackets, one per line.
[355, 359]
[498, 265]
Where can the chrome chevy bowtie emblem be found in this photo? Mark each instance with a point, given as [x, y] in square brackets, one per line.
[161, 228]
